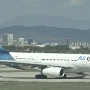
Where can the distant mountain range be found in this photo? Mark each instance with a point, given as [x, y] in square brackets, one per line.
[47, 34]
[50, 21]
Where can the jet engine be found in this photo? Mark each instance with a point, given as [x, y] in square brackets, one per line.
[53, 71]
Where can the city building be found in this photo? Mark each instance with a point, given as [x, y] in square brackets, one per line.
[1, 41]
[30, 40]
[16, 43]
[79, 45]
[21, 41]
[7, 39]
[67, 41]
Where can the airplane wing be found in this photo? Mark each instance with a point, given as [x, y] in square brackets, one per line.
[24, 63]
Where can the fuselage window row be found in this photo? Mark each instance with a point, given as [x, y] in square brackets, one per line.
[57, 59]
[47, 59]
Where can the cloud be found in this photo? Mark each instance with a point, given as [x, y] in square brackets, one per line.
[74, 3]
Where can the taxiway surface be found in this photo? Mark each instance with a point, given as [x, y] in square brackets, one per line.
[12, 74]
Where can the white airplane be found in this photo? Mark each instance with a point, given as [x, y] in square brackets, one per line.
[52, 64]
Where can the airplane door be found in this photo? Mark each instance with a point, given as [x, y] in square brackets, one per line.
[37, 60]
[33, 59]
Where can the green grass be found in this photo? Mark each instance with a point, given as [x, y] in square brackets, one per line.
[10, 85]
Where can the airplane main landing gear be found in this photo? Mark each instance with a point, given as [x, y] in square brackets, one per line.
[40, 76]
[65, 76]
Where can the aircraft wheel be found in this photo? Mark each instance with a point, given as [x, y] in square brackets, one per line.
[36, 76]
[65, 76]
[40, 76]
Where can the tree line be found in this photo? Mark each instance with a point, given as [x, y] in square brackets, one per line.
[46, 49]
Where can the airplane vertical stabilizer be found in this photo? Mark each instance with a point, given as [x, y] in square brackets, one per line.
[5, 55]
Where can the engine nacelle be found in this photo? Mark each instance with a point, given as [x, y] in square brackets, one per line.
[53, 71]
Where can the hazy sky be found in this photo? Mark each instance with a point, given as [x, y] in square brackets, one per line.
[75, 9]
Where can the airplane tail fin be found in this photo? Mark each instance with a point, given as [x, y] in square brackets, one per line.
[5, 55]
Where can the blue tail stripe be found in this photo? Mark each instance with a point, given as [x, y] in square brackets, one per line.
[5, 55]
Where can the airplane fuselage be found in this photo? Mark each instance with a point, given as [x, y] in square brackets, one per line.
[77, 62]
